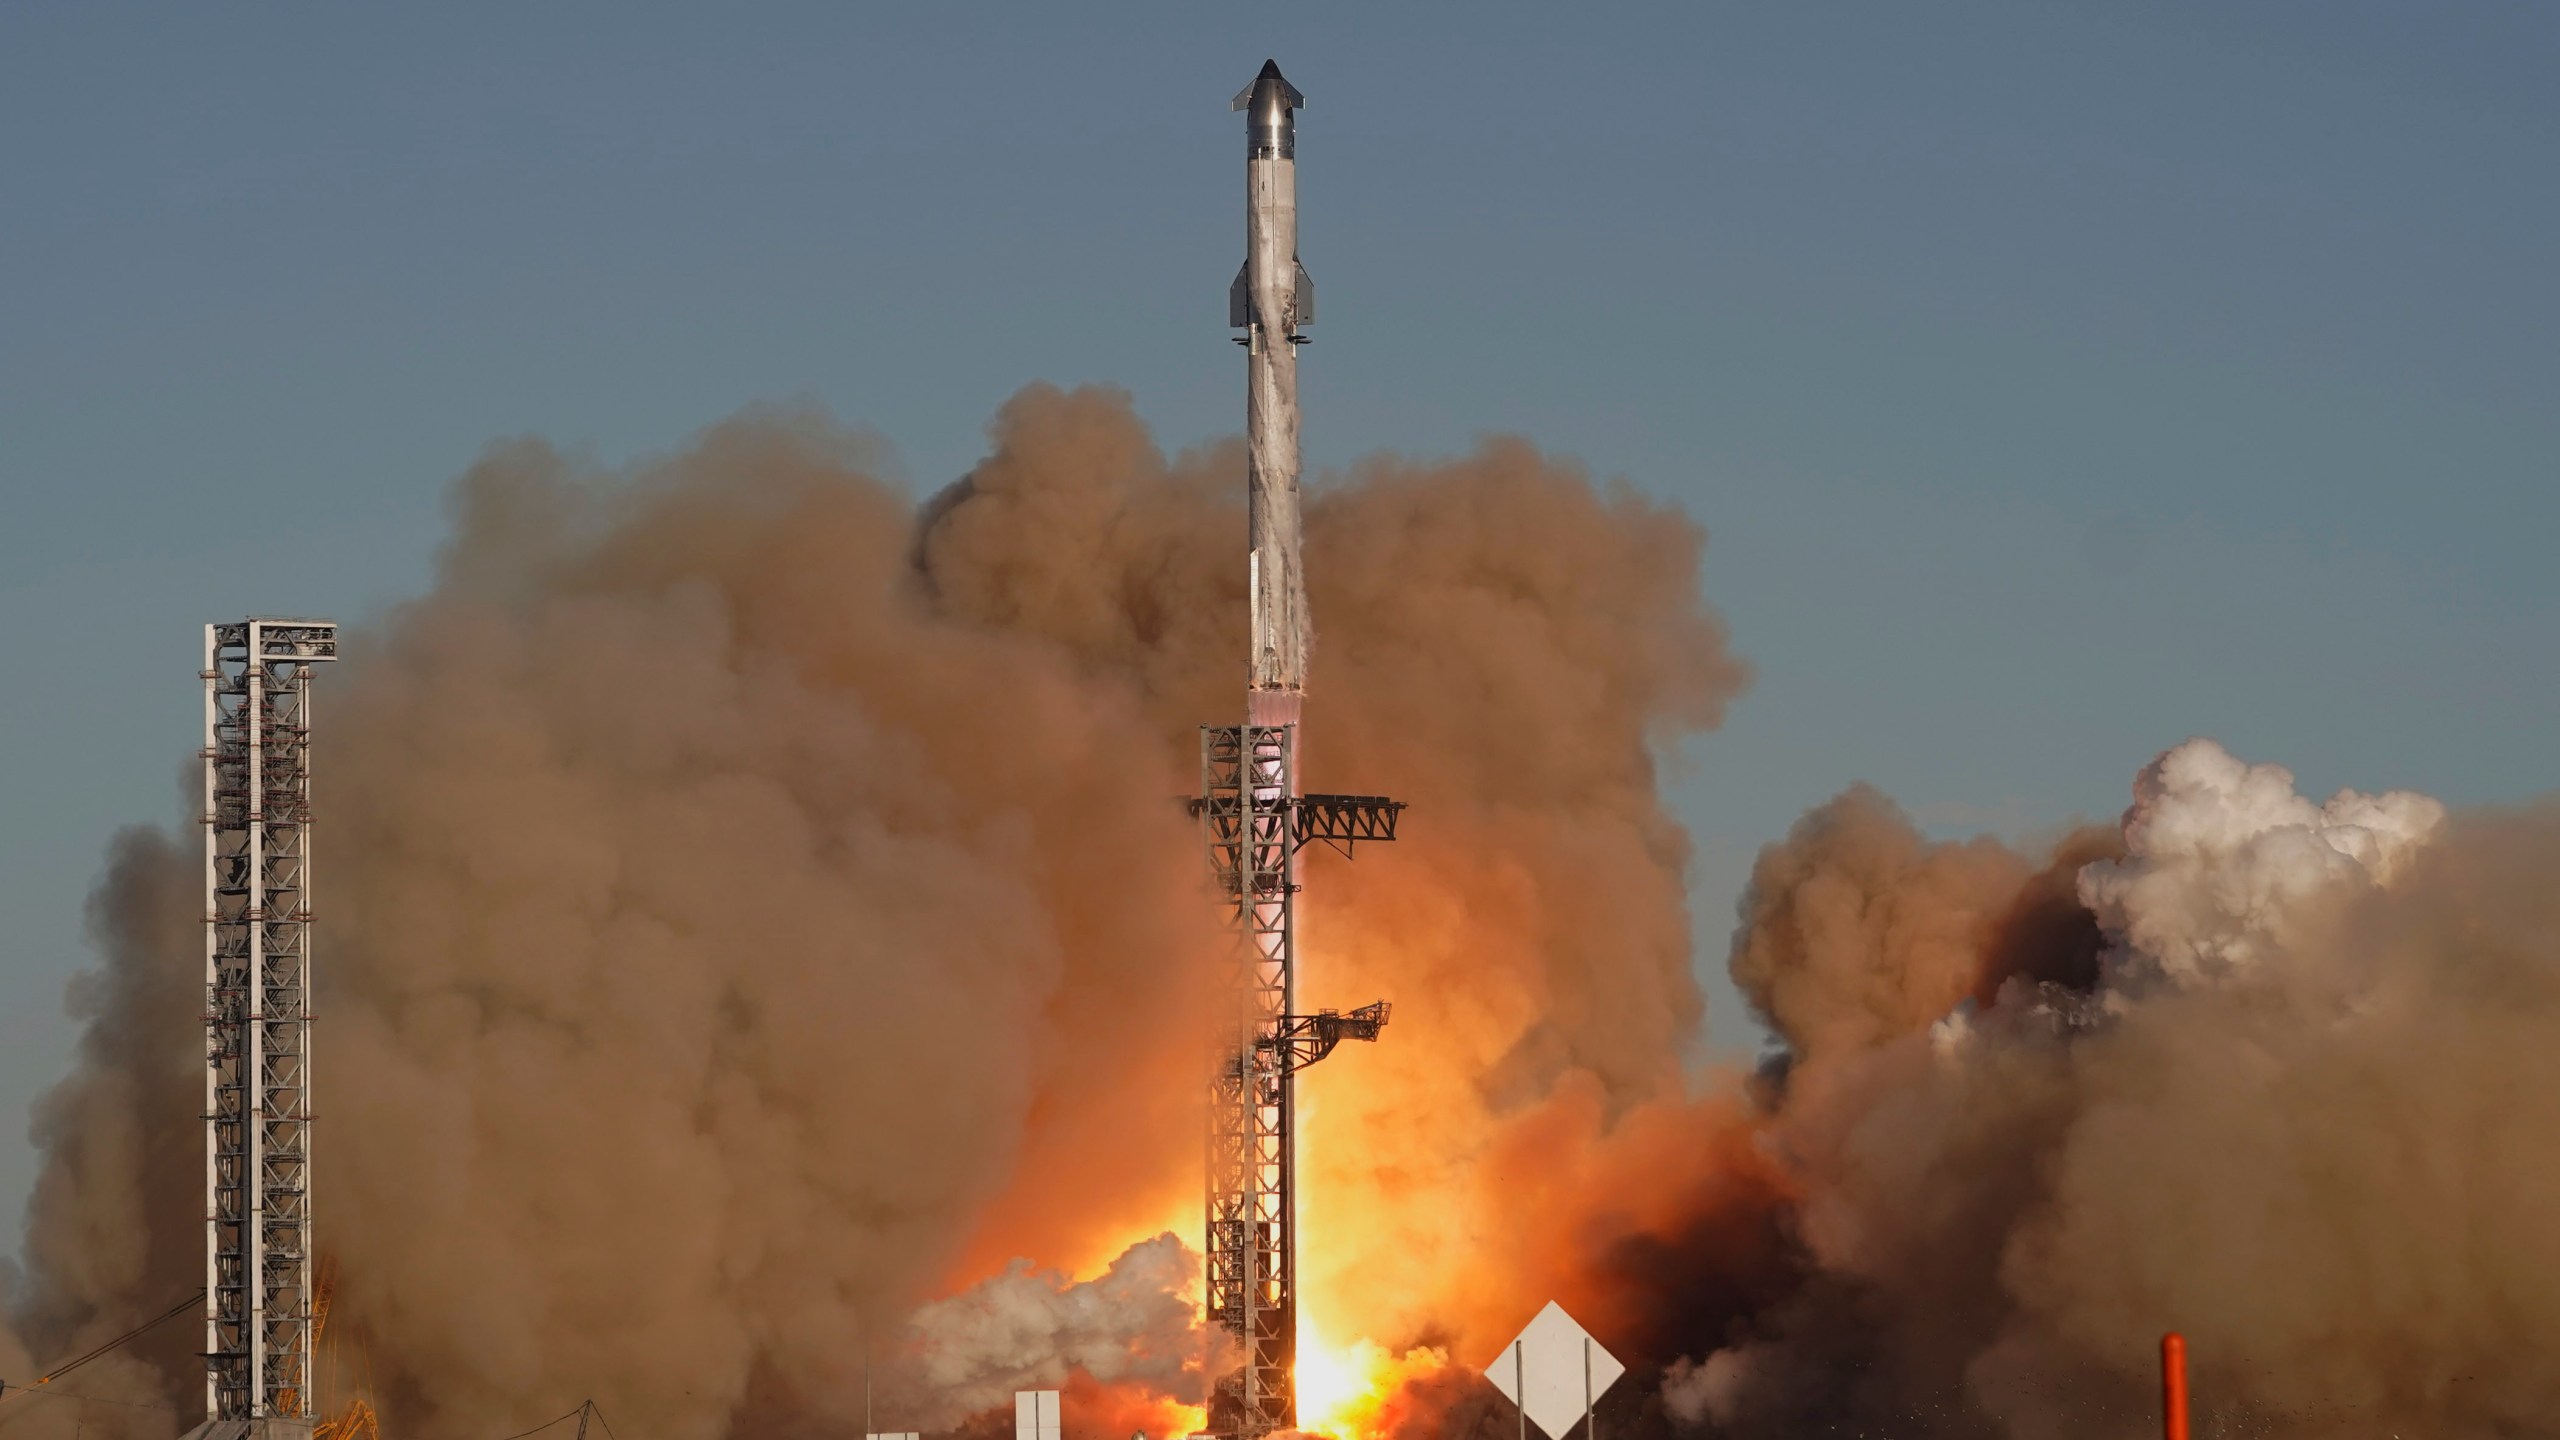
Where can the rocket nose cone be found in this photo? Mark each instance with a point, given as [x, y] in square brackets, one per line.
[1270, 89]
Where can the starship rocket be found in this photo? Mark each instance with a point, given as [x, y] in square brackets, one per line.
[1273, 302]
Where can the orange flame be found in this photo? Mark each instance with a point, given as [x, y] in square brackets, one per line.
[1345, 1390]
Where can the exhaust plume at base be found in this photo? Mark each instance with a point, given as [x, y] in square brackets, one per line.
[753, 907]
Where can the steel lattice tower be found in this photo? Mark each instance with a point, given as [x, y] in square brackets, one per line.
[1256, 822]
[257, 1017]
[1256, 825]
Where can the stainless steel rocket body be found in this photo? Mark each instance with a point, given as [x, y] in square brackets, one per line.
[1273, 303]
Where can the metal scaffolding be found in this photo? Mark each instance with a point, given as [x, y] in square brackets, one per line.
[1255, 822]
[257, 1017]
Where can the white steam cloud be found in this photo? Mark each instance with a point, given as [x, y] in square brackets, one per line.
[2221, 857]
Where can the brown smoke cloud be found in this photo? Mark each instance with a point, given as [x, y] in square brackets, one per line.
[754, 906]
[2301, 1112]
[1859, 931]
[758, 932]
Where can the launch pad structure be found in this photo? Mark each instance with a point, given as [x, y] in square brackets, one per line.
[1256, 824]
[257, 1024]
[1257, 821]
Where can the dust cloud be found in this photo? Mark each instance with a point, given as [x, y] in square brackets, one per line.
[2297, 1102]
[755, 913]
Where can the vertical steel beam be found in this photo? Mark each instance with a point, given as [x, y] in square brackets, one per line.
[1248, 780]
[218, 1031]
[257, 875]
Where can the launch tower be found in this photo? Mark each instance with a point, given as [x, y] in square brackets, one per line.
[1256, 821]
[257, 1021]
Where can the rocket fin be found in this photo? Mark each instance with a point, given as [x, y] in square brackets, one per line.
[1240, 299]
[1270, 71]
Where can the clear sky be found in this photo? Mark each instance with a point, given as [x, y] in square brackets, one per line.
[2056, 381]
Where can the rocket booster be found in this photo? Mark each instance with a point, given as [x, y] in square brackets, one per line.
[1273, 302]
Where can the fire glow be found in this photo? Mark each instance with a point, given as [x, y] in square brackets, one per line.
[1345, 1390]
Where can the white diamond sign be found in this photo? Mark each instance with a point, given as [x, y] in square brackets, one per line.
[1554, 1371]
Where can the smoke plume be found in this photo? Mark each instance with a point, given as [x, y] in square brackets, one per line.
[762, 966]
[755, 911]
[1857, 931]
[2302, 1111]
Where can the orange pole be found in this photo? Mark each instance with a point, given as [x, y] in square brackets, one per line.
[2173, 1386]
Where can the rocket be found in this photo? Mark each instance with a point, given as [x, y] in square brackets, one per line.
[1257, 820]
[1273, 302]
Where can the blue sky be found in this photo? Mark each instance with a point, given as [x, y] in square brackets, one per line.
[2056, 381]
